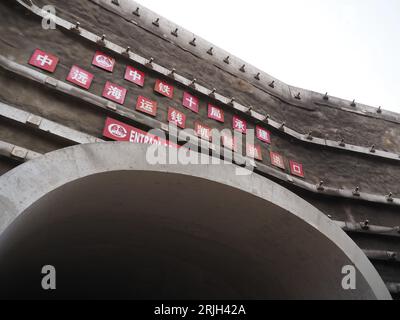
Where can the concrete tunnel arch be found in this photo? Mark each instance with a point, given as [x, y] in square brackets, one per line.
[115, 226]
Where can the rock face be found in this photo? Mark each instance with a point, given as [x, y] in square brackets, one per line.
[354, 149]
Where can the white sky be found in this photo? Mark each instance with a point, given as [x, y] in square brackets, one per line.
[350, 48]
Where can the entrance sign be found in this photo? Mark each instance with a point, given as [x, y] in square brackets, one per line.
[119, 131]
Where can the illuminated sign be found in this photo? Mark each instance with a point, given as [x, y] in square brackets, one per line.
[44, 61]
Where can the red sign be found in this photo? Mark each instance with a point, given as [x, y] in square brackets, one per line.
[263, 135]
[134, 75]
[146, 106]
[164, 89]
[177, 118]
[80, 77]
[103, 61]
[253, 151]
[44, 60]
[119, 131]
[114, 92]
[239, 125]
[229, 142]
[296, 169]
[216, 113]
[202, 131]
[277, 160]
[190, 102]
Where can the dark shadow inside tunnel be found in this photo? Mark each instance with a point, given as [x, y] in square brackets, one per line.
[154, 235]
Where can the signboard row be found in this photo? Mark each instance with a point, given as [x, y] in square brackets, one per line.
[117, 93]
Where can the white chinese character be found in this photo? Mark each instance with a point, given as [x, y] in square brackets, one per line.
[44, 60]
[277, 160]
[216, 113]
[135, 75]
[146, 105]
[203, 132]
[80, 76]
[239, 124]
[114, 92]
[164, 88]
[177, 117]
[252, 151]
[263, 134]
[191, 101]
[296, 169]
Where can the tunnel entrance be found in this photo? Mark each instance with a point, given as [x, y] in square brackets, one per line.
[148, 234]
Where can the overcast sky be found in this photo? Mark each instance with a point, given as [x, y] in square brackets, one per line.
[350, 48]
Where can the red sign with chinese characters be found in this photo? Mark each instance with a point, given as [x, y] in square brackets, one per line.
[164, 89]
[254, 152]
[202, 131]
[239, 125]
[80, 77]
[296, 169]
[44, 60]
[135, 76]
[229, 142]
[190, 102]
[114, 92]
[119, 131]
[216, 113]
[103, 61]
[177, 118]
[146, 106]
[277, 160]
[263, 134]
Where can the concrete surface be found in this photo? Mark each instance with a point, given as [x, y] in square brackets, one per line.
[116, 226]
